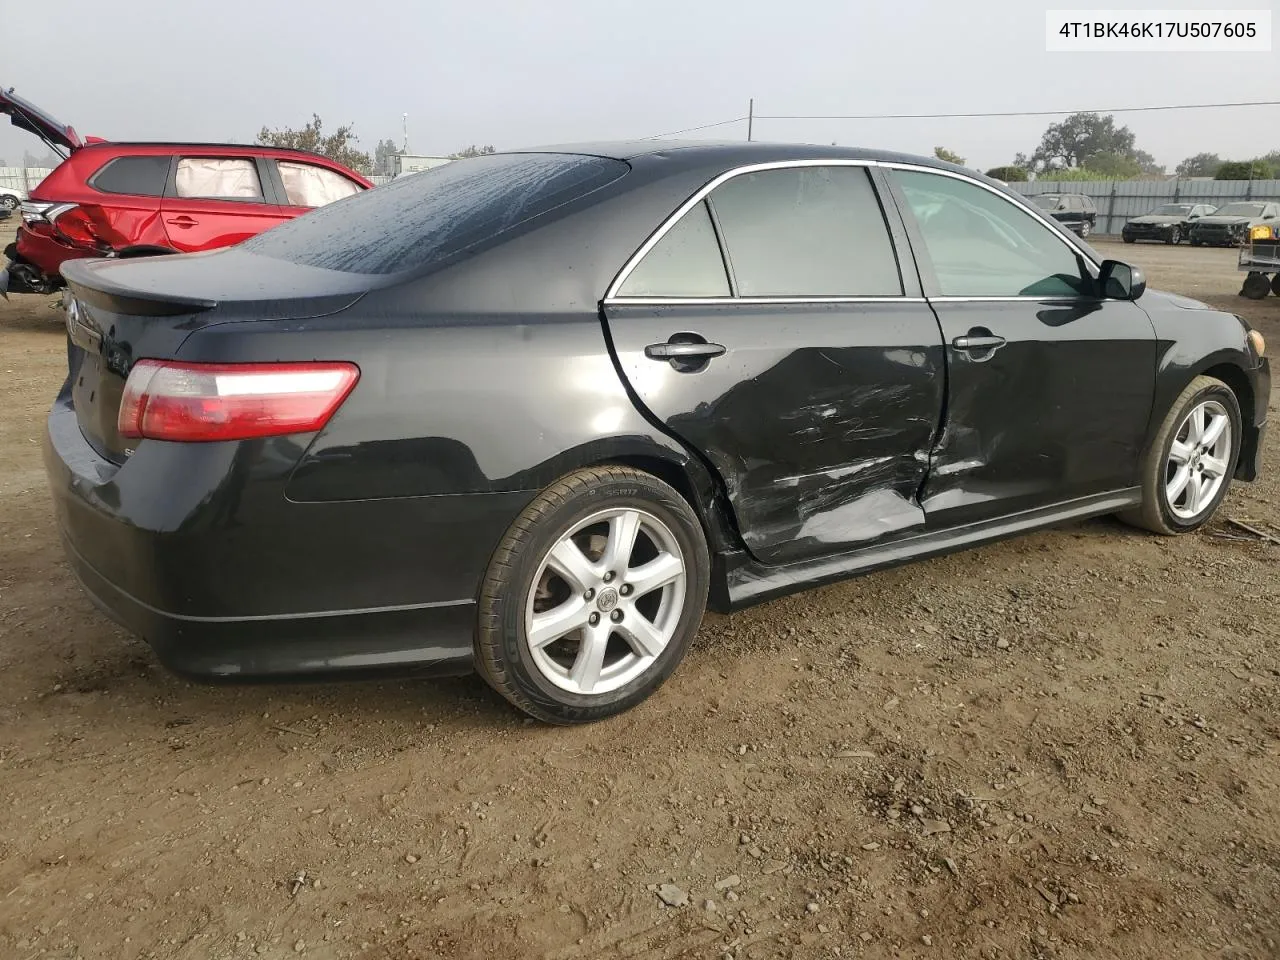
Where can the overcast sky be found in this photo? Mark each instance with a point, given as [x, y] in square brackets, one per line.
[517, 73]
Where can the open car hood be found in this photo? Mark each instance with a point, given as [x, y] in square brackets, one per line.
[27, 116]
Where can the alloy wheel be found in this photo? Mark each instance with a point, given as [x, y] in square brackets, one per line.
[1198, 459]
[606, 601]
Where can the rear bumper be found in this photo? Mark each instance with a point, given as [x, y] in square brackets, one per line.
[194, 548]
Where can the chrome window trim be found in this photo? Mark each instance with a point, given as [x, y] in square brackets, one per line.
[757, 301]
[611, 294]
[1050, 298]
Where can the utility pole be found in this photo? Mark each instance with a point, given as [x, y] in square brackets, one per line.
[405, 148]
[751, 115]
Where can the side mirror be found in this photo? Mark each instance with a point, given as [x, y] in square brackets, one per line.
[1121, 281]
[1194, 216]
[1269, 216]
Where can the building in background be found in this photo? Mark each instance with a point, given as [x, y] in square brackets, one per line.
[411, 163]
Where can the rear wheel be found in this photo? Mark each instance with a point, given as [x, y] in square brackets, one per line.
[1188, 468]
[1127, 238]
[9, 202]
[1256, 286]
[1275, 284]
[593, 596]
[1085, 229]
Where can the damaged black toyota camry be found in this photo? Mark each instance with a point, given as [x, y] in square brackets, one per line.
[530, 413]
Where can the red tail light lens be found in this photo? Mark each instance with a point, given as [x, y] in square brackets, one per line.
[166, 400]
[73, 225]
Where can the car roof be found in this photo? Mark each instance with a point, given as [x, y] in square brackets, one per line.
[109, 145]
[696, 153]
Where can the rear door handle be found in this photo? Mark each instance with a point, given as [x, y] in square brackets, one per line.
[977, 343]
[683, 351]
[183, 222]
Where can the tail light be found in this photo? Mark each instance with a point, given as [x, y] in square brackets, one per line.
[166, 400]
[70, 222]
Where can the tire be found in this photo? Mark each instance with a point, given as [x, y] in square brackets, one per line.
[1256, 286]
[1167, 515]
[1084, 229]
[1175, 236]
[1275, 284]
[9, 203]
[555, 679]
[1126, 238]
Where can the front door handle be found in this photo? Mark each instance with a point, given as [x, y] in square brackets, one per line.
[183, 222]
[683, 351]
[978, 342]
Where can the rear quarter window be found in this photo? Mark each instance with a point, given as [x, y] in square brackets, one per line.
[140, 176]
[425, 218]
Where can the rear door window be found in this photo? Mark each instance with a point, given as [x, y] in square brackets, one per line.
[309, 185]
[218, 178]
[686, 262]
[424, 218]
[806, 232]
[139, 176]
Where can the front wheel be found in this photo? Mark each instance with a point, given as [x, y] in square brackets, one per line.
[1085, 229]
[1126, 238]
[1175, 236]
[1188, 468]
[593, 596]
[9, 203]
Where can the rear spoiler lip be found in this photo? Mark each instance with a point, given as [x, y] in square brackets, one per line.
[93, 286]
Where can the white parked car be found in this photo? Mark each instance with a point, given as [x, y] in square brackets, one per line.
[11, 198]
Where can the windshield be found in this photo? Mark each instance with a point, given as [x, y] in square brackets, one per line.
[1240, 210]
[1046, 201]
[425, 218]
[1172, 210]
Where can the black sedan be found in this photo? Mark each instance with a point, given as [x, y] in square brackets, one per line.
[529, 413]
[1168, 223]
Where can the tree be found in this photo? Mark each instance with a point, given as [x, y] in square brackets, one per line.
[338, 145]
[1200, 165]
[383, 157]
[1074, 141]
[1272, 160]
[1147, 163]
[1243, 170]
[1113, 166]
[1008, 174]
[472, 151]
[950, 156]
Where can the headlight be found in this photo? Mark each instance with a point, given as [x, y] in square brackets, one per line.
[1258, 342]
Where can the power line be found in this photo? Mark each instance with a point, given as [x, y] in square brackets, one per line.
[1018, 113]
[705, 126]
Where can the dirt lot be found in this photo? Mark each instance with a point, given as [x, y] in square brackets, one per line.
[1066, 745]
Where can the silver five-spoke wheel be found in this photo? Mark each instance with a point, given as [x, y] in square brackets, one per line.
[607, 600]
[1198, 459]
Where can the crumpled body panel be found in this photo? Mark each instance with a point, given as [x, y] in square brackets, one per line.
[818, 419]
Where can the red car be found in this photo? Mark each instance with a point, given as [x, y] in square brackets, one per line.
[137, 199]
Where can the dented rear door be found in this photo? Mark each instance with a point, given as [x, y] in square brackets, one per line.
[773, 330]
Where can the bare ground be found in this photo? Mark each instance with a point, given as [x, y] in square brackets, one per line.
[1066, 745]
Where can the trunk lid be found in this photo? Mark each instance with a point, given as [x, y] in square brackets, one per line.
[61, 137]
[122, 311]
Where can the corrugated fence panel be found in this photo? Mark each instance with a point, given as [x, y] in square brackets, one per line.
[22, 178]
[1118, 200]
